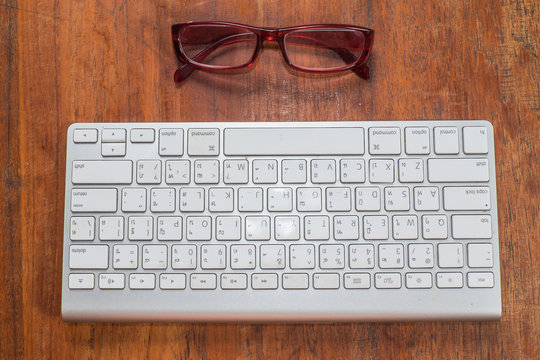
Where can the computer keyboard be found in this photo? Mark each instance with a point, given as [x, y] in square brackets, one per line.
[296, 221]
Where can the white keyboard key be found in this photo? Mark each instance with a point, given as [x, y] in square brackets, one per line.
[149, 171]
[381, 171]
[421, 256]
[323, 171]
[203, 281]
[81, 281]
[213, 257]
[287, 227]
[93, 200]
[280, 199]
[458, 170]
[233, 281]
[391, 256]
[450, 255]
[302, 256]
[411, 170]
[142, 281]
[356, 281]
[82, 228]
[169, 228]
[221, 199]
[396, 199]
[446, 140]
[113, 149]
[206, 172]
[142, 135]
[154, 257]
[177, 172]
[471, 226]
[198, 228]
[376, 227]
[264, 281]
[309, 199]
[134, 199]
[228, 228]
[338, 199]
[272, 256]
[331, 256]
[203, 142]
[85, 136]
[449, 280]
[368, 199]
[250, 199]
[141, 228]
[125, 256]
[418, 280]
[405, 227]
[112, 281]
[346, 227]
[480, 255]
[171, 142]
[384, 141]
[191, 199]
[467, 198]
[243, 257]
[102, 172]
[88, 257]
[316, 227]
[265, 171]
[480, 280]
[162, 200]
[475, 140]
[388, 280]
[426, 198]
[113, 135]
[172, 281]
[257, 227]
[361, 256]
[295, 281]
[184, 257]
[417, 140]
[325, 281]
[352, 171]
[293, 171]
[434, 227]
[235, 171]
[111, 228]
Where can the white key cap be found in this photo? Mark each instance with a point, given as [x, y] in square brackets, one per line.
[203, 142]
[134, 199]
[213, 257]
[142, 135]
[203, 281]
[162, 200]
[221, 199]
[446, 140]
[417, 140]
[480, 280]
[169, 228]
[264, 281]
[88, 256]
[356, 281]
[384, 141]
[171, 142]
[302, 256]
[125, 256]
[111, 281]
[85, 136]
[450, 255]
[272, 256]
[206, 172]
[172, 281]
[325, 281]
[458, 170]
[250, 199]
[111, 228]
[449, 280]
[295, 281]
[113, 135]
[418, 280]
[352, 171]
[388, 280]
[376, 227]
[280, 199]
[233, 281]
[323, 171]
[426, 198]
[471, 226]
[420, 256]
[235, 171]
[309, 199]
[346, 227]
[198, 228]
[411, 170]
[287, 228]
[338, 199]
[434, 227]
[293, 171]
[184, 257]
[480, 255]
[191, 199]
[381, 171]
[396, 198]
[82, 228]
[405, 227]
[243, 257]
[177, 172]
[228, 228]
[391, 256]
[154, 257]
[361, 256]
[149, 171]
[265, 171]
[93, 200]
[475, 140]
[316, 227]
[102, 172]
[81, 281]
[257, 227]
[467, 198]
[141, 228]
[331, 256]
[113, 149]
[142, 281]
[368, 199]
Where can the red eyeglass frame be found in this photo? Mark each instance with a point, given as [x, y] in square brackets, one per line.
[271, 34]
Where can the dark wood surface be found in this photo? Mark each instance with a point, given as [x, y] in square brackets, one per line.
[71, 61]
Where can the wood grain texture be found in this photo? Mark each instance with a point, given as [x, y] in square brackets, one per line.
[107, 60]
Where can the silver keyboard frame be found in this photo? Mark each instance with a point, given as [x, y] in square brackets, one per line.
[277, 305]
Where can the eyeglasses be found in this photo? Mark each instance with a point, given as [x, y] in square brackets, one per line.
[217, 45]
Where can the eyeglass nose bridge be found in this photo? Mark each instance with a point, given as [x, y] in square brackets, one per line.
[269, 34]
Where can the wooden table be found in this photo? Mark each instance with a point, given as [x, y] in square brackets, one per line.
[68, 61]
